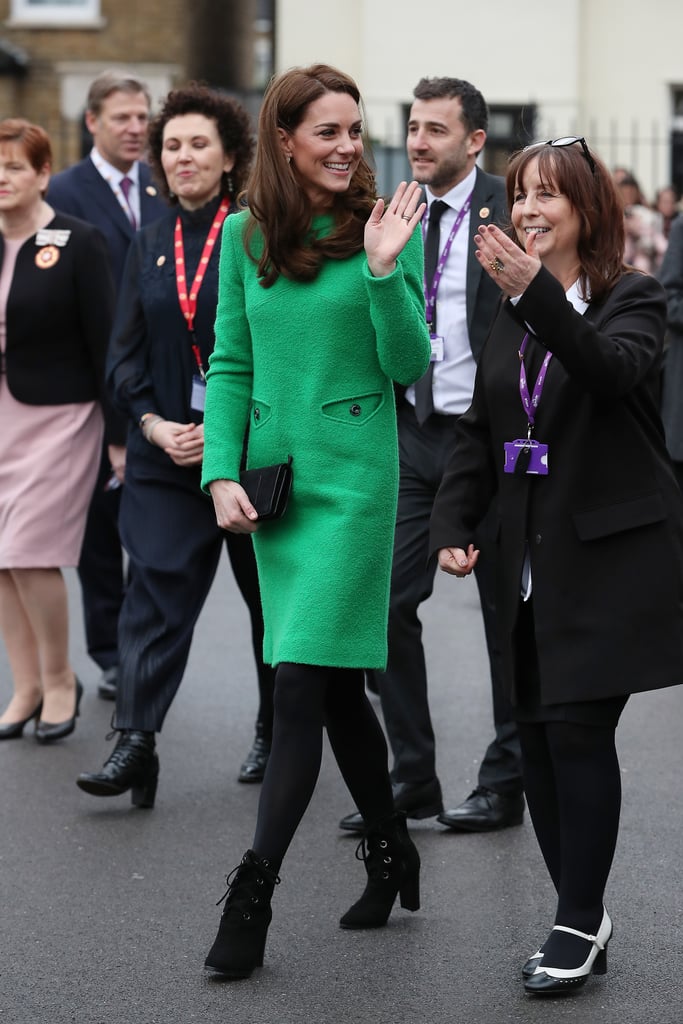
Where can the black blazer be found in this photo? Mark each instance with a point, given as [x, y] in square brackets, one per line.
[82, 191]
[605, 526]
[59, 318]
[483, 295]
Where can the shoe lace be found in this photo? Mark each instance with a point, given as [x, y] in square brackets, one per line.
[373, 851]
[234, 881]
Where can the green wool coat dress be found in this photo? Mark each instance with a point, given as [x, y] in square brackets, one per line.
[309, 367]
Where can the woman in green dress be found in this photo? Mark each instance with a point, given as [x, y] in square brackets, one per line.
[320, 310]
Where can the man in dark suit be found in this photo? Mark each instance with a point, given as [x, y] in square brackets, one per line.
[446, 132]
[112, 189]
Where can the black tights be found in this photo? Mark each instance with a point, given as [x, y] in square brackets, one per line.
[573, 788]
[306, 698]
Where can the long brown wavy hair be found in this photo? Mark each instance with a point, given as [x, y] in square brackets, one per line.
[278, 202]
[592, 193]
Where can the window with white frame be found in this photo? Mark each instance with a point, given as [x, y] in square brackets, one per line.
[56, 12]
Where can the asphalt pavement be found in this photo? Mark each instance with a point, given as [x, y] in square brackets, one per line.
[107, 911]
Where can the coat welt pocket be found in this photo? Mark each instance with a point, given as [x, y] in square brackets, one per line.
[626, 515]
[260, 413]
[355, 410]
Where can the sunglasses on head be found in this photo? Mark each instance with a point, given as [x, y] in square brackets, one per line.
[568, 140]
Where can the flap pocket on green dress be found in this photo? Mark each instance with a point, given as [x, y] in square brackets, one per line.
[260, 413]
[356, 410]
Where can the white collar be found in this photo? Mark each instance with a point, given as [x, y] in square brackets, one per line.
[576, 298]
[456, 196]
[112, 174]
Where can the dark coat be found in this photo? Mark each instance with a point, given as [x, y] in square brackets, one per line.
[59, 318]
[605, 526]
[671, 277]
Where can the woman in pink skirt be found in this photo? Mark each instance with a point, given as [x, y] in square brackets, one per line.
[56, 301]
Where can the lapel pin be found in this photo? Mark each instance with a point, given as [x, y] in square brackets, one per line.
[161, 260]
[150, 190]
[47, 257]
[484, 212]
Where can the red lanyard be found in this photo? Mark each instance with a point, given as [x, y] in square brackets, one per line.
[188, 303]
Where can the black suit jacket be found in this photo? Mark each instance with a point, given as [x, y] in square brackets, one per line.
[483, 295]
[82, 191]
[605, 526]
[59, 318]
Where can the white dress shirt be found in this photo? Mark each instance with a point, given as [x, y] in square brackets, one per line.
[114, 177]
[453, 381]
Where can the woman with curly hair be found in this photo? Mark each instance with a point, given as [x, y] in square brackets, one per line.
[201, 145]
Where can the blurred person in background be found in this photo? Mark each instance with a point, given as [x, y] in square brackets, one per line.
[644, 228]
[56, 306]
[666, 204]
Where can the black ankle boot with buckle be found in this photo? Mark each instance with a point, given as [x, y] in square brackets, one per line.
[243, 928]
[133, 764]
[393, 866]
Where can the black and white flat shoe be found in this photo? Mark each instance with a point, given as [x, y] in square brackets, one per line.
[532, 963]
[546, 979]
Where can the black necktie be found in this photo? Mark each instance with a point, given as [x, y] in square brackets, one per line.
[424, 404]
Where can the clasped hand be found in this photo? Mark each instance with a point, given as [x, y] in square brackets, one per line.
[182, 442]
[390, 225]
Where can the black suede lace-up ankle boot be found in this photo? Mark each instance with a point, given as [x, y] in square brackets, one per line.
[393, 866]
[243, 928]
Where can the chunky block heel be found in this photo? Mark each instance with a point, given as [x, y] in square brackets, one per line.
[549, 980]
[393, 866]
[144, 796]
[133, 764]
[409, 893]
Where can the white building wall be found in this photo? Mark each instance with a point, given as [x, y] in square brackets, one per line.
[596, 67]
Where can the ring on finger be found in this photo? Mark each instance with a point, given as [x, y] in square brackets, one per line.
[496, 265]
[406, 216]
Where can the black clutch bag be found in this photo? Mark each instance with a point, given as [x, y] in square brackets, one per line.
[268, 488]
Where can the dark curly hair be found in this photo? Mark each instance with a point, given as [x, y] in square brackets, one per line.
[231, 119]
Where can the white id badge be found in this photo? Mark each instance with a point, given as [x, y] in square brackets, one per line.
[198, 396]
[437, 348]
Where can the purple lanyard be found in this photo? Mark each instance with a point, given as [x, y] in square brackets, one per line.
[532, 401]
[431, 290]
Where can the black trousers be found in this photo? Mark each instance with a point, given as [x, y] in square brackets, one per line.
[101, 570]
[168, 527]
[424, 452]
